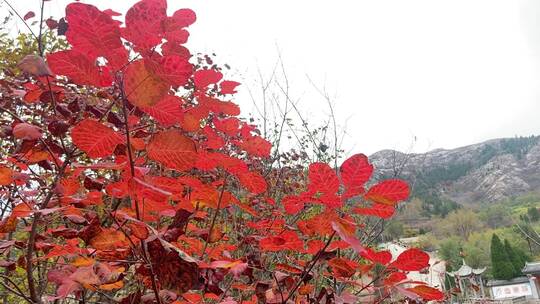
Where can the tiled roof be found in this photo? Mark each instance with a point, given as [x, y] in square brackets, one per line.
[531, 268]
[466, 270]
[517, 280]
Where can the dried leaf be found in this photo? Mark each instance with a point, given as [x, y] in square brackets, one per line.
[35, 65]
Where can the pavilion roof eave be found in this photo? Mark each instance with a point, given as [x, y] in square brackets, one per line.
[466, 271]
[531, 268]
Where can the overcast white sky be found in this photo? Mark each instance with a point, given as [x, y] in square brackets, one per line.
[449, 73]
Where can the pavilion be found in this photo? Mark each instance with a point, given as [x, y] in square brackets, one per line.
[469, 278]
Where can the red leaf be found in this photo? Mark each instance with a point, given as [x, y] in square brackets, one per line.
[173, 150]
[228, 126]
[427, 293]
[288, 268]
[65, 288]
[168, 111]
[213, 141]
[95, 34]
[174, 48]
[78, 68]
[111, 13]
[149, 191]
[21, 210]
[6, 176]
[388, 192]
[236, 267]
[26, 131]
[88, 276]
[394, 277]
[192, 298]
[8, 224]
[355, 172]
[256, 146]
[108, 239]
[51, 23]
[177, 36]
[329, 200]
[95, 139]
[318, 225]
[411, 260]
[322, 179]
[343, 268]
[117, 189]
[346, 232]
[314, 246]
[378, 210]
[175, 270]
[292, 204]
[144, 23]
[217, 106]
[381, 257]
[288, 240]
[29, 15]
[32, 95]
[228, 87]
[173, 68]
[139, 230]
[204, 78]
[183, 17]
[142, 87]
[253, 182]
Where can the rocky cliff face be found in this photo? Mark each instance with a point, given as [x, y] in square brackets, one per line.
[485, 172]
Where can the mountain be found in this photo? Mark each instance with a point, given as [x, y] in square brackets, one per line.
[490, 171]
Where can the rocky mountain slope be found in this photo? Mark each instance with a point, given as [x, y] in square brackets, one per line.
[486, 172]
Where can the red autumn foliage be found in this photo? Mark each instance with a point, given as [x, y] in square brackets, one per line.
[131, 179]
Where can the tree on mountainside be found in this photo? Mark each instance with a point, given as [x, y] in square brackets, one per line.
[449, 250]
[461, 222]
[496, 216]
[501, 265]
[515, 258]
[533, 214]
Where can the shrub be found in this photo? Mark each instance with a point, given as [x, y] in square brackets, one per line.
[130, 178]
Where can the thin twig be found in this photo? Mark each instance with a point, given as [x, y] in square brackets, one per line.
[308, 270]
[132, 172]
[21, 293]
[15, 292]
[206, 241]
[40, 36]
[33, 231]
[22, 19]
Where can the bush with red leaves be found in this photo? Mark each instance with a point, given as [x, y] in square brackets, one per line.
[127, 176]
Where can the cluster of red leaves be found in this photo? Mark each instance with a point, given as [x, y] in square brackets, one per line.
[139, 182]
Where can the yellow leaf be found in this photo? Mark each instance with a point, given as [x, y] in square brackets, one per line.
[8, 224]
[142, 87]
[108, 239]
[6, 176]
[112, 286]
[83, 261]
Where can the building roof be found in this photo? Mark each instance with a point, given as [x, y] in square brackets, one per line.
[531, 268]
[409, 240]
[517, 280]
[466, 270]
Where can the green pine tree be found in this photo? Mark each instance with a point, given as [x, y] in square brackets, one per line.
[514, 257]
[523, 257]
[533, 214]
[501, 265]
